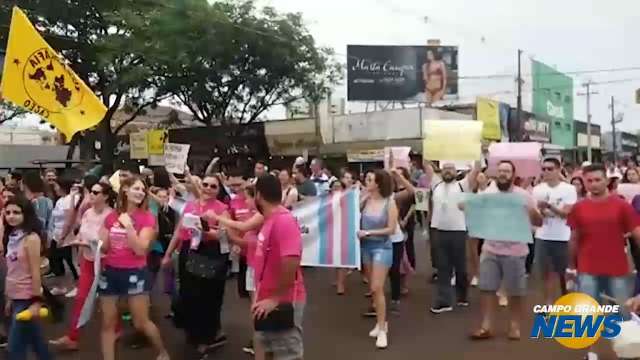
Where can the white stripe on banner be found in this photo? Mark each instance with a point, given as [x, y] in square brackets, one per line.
[323, 247]
[90, 302]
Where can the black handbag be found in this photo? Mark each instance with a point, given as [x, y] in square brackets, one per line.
[280, 319]
[206, 267]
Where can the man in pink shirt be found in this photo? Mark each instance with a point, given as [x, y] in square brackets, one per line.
[503, 263]
[278, 275]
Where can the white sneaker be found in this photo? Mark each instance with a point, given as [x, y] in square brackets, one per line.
[591, 356]
[73, 293]
[376, 331]
[381, 341]
[503, 301]
[56, 291]
[474, 281]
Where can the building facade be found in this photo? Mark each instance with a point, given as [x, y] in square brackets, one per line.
[553, 100]
[582, 142]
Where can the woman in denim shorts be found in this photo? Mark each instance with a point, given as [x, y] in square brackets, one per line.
[127, 236]
[379, 221]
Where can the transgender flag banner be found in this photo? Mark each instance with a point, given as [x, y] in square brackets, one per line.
[329, 226]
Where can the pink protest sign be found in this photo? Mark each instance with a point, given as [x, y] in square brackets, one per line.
[397, 157]
[525, 156]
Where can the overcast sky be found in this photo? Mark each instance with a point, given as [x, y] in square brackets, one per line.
[571, 35]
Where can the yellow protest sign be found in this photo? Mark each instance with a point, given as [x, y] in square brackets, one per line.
[138, 145]
[454, 140]
[489, 114]
[36, 78]
[156, 140]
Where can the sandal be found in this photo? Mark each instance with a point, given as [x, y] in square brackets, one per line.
[482, 334]
[514, 335]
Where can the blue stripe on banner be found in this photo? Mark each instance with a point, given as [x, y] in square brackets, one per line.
[322, 229]
[351, 218]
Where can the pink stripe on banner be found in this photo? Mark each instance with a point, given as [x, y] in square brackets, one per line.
[344, 229]
[329, 230]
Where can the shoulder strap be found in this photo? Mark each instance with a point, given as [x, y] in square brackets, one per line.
[460, 186]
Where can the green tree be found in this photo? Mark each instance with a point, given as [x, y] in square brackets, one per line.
[229, 62]
[8, 111]
[97, 38]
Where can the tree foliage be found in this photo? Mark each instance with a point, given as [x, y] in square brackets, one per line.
[228, 62]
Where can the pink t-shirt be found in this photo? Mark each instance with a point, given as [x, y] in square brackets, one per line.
[199, 209]
[90, 227]
[279, 238]
[505, 247]
[241, 211]
[120, 255]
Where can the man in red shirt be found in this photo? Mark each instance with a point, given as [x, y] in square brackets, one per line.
[598, 225]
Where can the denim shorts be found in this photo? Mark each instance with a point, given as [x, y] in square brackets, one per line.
[377, 252]
[617, 287]
[124, 282]
[288, 344]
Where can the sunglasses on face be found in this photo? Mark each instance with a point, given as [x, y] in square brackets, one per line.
[208, 185]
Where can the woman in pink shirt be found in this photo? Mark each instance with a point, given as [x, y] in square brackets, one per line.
[20, 228]
[127, 235]
[202, 266]
[92, 220]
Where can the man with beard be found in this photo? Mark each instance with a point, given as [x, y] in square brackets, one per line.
[450, 236]
[503, 262]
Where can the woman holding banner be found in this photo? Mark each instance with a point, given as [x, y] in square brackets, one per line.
[90, 224]
[347, 182]
[379, 222]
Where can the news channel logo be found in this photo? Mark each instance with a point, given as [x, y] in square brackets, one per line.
[576, 321]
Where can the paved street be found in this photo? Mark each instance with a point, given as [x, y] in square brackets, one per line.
[335, 329]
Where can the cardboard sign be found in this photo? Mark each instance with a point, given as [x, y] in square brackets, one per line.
[453, 140]
[422, 199]
[156, 140]
[138, 145]
[397, 157]
[482, 210]
[175, 157]
[525, 156]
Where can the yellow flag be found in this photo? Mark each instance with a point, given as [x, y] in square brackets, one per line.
[36, 78]
[489, 113]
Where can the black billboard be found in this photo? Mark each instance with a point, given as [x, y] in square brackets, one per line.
[402, 73]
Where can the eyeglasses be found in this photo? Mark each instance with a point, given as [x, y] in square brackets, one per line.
[548, 168]
[94, 192]
[207, 185]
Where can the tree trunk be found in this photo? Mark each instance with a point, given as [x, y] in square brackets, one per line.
[107, 144]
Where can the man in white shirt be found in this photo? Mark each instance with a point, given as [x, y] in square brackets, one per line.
[319, 178]
[450, 235]
[555, 199]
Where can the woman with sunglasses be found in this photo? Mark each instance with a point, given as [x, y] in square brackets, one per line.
[92, 220]
[127, 235]
[202, 245]
[20, 228]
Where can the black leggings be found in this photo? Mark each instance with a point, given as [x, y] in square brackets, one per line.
[635, 253]
[58, 256]
[394, 272]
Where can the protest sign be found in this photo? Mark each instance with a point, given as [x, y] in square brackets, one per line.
[526, 157]
[175, 157]
[329, 224]
[138, 146]
[422, 199]
[397, 157]
[510, 209]
[629, 191]
[488, 112]
[156, 140]
[453, 140]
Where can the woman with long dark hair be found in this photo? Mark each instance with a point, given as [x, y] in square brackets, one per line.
[100, 200]
[203, 265]
[127, 235]
[581, 190]
[20, 227]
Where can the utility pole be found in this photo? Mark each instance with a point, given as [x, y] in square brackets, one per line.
[615, 121]
[519, 105]
[588, 94]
